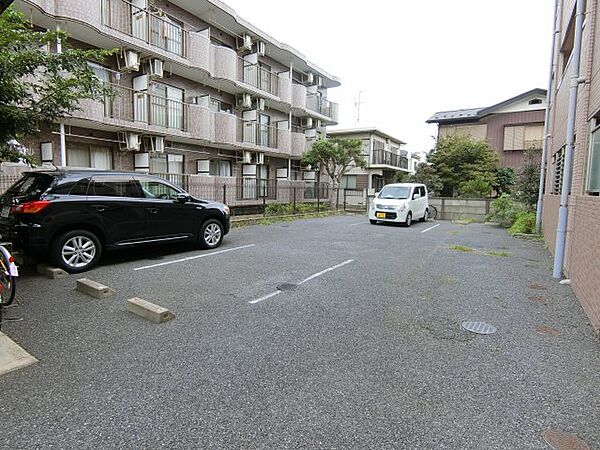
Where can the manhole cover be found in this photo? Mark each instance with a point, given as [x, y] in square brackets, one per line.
[545, 329]
[560, 440]
[536, 298]
[538, 287]
[287, 287]
[479, 327]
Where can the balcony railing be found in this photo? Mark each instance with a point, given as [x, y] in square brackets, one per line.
[252, 132]
[385, 157]
[253, 189]
[150, 27]
[259, 77]
[322, 106]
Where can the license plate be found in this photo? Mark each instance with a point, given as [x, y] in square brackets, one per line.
[13, 269]
[380, 215]
[5, 211]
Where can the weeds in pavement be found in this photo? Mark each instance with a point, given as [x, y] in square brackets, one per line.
[497, 253]
[462, 248]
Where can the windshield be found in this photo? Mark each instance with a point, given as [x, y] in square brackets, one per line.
[395, 192]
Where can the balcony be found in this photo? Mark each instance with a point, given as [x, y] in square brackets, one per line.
[298, 143]
[285, 89]
[382, 157]
[253, 133]
[223, 62]
[298, 96]
[322, 106]
[258, 77]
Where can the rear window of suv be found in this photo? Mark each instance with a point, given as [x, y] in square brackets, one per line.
[31, 186]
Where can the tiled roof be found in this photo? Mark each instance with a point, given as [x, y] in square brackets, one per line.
[454, 115]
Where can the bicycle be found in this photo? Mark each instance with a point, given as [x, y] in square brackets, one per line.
[8, 274]
[432, 212]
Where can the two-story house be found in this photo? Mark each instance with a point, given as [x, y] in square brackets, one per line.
[384, 154]
[511, 126]
[198, 90]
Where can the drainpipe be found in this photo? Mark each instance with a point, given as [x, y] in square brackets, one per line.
[563, 212]
[549, 99]
[63, 141]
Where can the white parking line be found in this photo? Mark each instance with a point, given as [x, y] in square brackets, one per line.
[318, 274]
[431, 228]
[358, 223]
[204, 255]
[273, 294]
[312, 277]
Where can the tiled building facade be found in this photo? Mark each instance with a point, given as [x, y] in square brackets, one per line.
[582, 255]
[199, 91]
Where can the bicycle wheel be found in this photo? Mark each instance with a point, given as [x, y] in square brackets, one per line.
[7, 282]
[432, 213]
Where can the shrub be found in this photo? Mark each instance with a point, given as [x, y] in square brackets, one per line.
[284, 209]
[505, 210]
[478, 187]
[524, 223]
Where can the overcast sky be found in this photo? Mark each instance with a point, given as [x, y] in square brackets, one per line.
[413, 58]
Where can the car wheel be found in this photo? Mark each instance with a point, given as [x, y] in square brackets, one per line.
[424, 218]
[76, 251]
[373, 222]
[211, 234]
[408, 222]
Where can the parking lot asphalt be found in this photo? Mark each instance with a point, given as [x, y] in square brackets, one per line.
[360, 347]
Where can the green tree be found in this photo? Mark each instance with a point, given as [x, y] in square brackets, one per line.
[335, 157]
[478, 187]
[504, 180]
[425, 174]
[402, 177]
[39, 87]
[528, 181]
[457, 159]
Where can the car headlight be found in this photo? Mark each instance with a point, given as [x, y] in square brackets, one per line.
[226, 209]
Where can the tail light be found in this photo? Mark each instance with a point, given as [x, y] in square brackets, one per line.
[30, 207]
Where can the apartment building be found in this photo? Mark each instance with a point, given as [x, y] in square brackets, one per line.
[581, 262]
[200, 92]
[511, 126]
[384, 154]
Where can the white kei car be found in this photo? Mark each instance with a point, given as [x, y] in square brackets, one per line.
[400, 203]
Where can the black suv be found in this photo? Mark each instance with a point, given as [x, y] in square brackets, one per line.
[72, 216]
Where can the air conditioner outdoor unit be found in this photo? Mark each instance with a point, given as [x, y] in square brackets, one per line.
[309, 78]
[155, 68]
[247, 158]
[129, 141]
[157, 144]
[260, 104]
[260, 158]
[307, 122]
[245, 43]
[132, 61]
[243, 101]
[261, 48]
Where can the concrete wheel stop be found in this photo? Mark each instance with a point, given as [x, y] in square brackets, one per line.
[13, 356]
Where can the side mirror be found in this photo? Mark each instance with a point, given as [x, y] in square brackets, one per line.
[376, 194]
[182, 197]
[416, 196]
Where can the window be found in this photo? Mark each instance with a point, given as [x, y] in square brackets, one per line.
[167, 33]
[72, 188]
[523, 137]
[156, 189]
[113, 187]
[220, 168]
[263, 134]
[166, 164]
[558, 162]
[89, 156]
[593, 185]
[348, 182]
[166, 106]
[535, 101]
[476, 131]
[264, 75]
[219, 106]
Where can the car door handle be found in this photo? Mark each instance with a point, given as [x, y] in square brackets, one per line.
[152, 210]
[99, 208]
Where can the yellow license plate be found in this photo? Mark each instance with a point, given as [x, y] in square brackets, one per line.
[380, 215]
